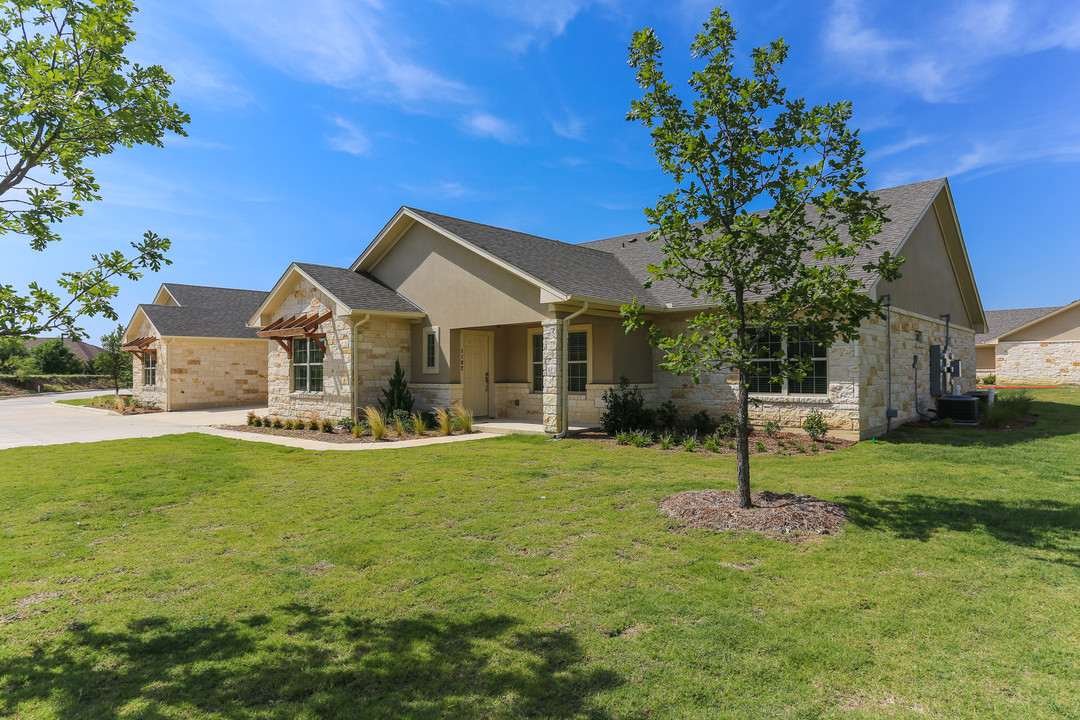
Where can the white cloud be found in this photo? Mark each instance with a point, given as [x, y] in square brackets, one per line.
[571, 127]
[350, 139]
[898, 147]
[937, 59]
[484, 124]
[536, 22]
[336, 42]
[984, 156]
[441, 189]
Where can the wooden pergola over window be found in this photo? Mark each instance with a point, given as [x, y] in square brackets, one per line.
[141, 347]
[284, 329]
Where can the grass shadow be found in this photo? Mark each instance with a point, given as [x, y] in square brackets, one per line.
[1055, 419]
[1041, 524]
[303, 660]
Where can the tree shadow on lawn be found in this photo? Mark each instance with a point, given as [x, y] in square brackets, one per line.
[1042, 524]
[1055, 419]
[306, 661]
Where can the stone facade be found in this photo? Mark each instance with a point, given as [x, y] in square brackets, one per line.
[379, 342]
[428, 396]
[517, 401]
[554, 352]
[204, 373]
[1050, 362]
[156, 393]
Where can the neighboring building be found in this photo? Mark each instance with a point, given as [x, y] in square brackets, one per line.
[83, 350]
[192, 349]
[1031, 345]
[518, 326]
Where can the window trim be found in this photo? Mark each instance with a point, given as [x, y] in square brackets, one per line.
[293, 364]
[785, 383]
[534, 332]
[430, 332]
[149, 370]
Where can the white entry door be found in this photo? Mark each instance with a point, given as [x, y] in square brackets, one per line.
[476, 371]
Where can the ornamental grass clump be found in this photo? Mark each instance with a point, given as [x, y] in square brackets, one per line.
[463, 419]
[667, 441]
[376, 422]
[359, 428]
[712, 444]
[443, 421]
[641, 438]
[419, 423]
[689, 444]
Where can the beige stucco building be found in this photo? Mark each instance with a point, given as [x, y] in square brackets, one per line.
[522, 327]
[1031, 345]
[191, 349]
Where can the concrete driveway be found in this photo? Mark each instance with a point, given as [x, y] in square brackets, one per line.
[39, 420]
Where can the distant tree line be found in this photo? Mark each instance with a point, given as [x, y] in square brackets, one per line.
[52, 357]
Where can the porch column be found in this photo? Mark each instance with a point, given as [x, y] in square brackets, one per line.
[554, 350]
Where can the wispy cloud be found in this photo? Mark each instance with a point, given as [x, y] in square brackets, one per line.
[938, 60]
[484, 124]
[442, 189]
[982, 156]
[898, 147]
[350, 139]
[534, 23]
[570, 127]
[338, 43]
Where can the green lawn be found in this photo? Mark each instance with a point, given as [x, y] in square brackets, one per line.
[96, 400]
[197, 577]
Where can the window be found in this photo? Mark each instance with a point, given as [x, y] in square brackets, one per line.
[772, 347]
[431, 350]
[577, 355]
[307, 365]
[537, 362]
[149, 369]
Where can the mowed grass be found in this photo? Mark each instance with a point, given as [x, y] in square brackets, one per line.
[197, 577]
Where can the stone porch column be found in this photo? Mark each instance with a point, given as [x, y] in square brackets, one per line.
[553, 376]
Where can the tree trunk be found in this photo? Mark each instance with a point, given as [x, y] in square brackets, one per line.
[742, 441]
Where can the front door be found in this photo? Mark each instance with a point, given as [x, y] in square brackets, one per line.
[476, 372]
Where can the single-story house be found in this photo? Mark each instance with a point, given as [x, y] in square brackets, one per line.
[191, 348]
[517, 326]
[83, 350]
[1031, 345]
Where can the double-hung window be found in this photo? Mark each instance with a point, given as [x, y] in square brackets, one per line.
[307, 366]
[149, 369]
[773, 346]
[537, 349]
[577, 357]
[431, 350]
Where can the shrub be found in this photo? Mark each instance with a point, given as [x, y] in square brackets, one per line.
[397, 395]
[400, 421]
[701, 421]
[625, 409]
[712, 444]
[667, 441]
[689, 443]
[359, 428]
[761, 447]
[799, 447]
[990, 379]
[667, 415]
[814, 448]
[641, 438]
[289, 425]
[419, 423]
[731, 445]
[327, 425]
[771, 429]
[345, 423]
[462, 418]
[443, 421]
[726, 426]
[829, 446]
[251, 418]
[314, 422]
[1009, 407]
[256, 421]
[622, 437]
[278, 425]
[267, 422]
[815, 425]
[947, 422]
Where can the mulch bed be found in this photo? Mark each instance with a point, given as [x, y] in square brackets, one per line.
[127, 411]
[784, 515]
[338, 436]
[773, 446]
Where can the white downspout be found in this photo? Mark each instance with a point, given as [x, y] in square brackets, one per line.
[564, 369]
[355, 367]
[168, 362]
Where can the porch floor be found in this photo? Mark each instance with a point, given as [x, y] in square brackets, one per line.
[510, 427]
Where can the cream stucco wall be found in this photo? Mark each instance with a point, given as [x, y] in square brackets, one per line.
[1065, 325]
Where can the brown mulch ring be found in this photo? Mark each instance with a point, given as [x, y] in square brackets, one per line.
[339, 435]
[127, 410]
[783, 515]
[780, 444]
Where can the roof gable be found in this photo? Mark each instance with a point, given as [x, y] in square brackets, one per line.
[1002, 323]
[202, 311]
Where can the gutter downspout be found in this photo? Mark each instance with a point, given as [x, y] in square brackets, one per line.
[564, 369]
[168, 392]
[355, 369]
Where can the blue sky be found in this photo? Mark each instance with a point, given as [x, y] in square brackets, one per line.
[312, 122]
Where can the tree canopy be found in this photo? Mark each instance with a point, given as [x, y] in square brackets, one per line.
[786, 271]
[67, 95]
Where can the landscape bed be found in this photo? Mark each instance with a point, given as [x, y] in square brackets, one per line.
[193, 576]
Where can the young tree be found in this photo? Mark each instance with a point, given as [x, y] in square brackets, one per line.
[11, 349]
[56, 358]
[67, 94]
[112, 361]
[784, 271]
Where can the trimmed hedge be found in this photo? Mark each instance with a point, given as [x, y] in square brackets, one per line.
[12, 385]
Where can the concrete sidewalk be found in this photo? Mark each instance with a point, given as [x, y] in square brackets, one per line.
[39, 420]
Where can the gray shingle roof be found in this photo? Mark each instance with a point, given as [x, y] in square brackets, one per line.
[999, 322]
[575, 269]
[84, 350]
[205, 312]
[906, 205]
[359, 291]
[615, 268]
